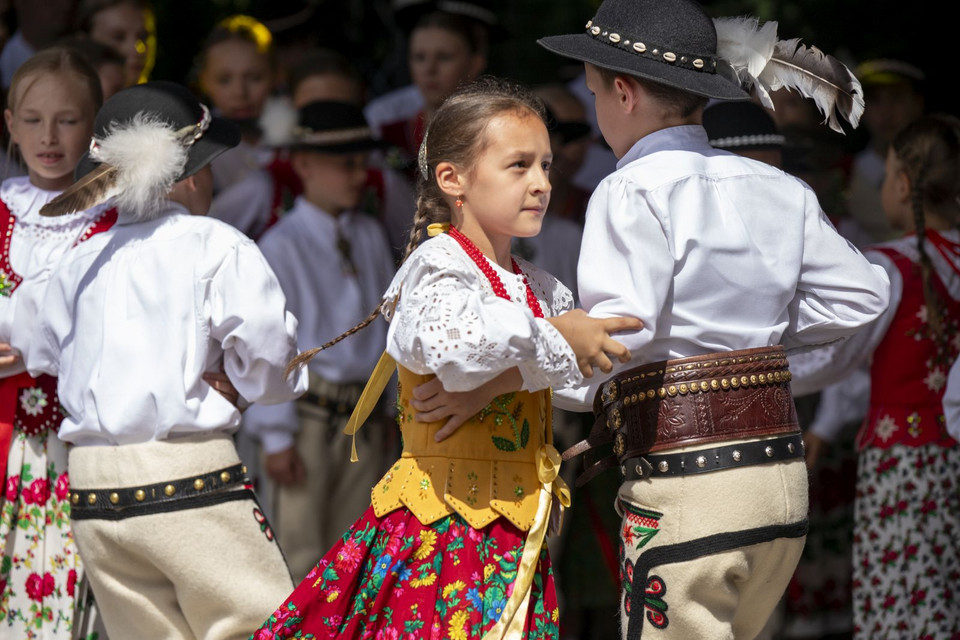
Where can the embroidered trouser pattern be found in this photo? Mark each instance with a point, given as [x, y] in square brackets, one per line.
[708, 556]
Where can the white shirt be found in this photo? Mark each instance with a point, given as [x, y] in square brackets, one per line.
[448, 321]
[133, 318]
[37, 243]
[716, 252]
[302, 250]
[233, 165]
[400, 104]
[246, 204]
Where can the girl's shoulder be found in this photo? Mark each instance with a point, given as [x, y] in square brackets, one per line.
[547, 288]
[439, 256]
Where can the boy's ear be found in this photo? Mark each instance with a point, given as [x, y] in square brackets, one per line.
[628, 92]
[298, 162]
[450, 179]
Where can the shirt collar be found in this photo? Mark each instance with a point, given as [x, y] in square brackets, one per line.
[319, 219]
[691, 137]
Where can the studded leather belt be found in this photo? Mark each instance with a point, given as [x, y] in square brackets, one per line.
[91, 503]
[690, 401]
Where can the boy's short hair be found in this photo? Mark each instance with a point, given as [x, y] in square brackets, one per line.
[321, 62]
[677, 101]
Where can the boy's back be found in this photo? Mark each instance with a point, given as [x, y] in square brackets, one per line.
[142, 312]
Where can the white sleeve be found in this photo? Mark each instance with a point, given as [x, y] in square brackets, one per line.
[818, 368]
[643, 268]
[275, 425]
[838, 290]
[35, 322]
[245, 205]
[842, 403]
[951, 401]
[446, 323]
[248, 317]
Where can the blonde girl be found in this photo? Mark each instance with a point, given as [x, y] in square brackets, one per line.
[452, 544]
[53, 99]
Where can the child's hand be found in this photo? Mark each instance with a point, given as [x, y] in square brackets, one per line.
[9, 357]
[434, 403]
[285, 467]
[222, 385]
[590, 338]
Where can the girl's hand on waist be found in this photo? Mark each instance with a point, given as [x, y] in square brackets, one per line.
[434, 403]
[9, 358]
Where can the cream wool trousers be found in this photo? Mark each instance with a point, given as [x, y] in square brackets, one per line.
[708, 556]
[210, 572]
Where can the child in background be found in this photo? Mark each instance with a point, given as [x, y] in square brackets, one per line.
[236, 71]
[126, 25]
[132, 321]
[333, 264]
[907, 510]
[445, 51]
[54, 97]
[452, 545]
[106, 61]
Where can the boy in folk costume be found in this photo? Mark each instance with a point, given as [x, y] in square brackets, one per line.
[333, 263]
[685, 237]
[163, 516]
[727, 261]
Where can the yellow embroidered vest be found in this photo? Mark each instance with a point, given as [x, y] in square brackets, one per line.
[487, 469]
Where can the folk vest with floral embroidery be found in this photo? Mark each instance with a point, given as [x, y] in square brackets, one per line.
[908, 374]
[486, 470]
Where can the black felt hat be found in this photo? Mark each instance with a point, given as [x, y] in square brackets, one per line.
[174, 105]
[332, 127]
[741, 126]
[672, 42]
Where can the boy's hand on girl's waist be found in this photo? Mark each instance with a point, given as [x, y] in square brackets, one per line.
[285, 467]
[9, 357]
[590, 339]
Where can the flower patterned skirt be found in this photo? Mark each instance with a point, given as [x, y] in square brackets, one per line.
[906, 544]
[392, 578]
[40, 569]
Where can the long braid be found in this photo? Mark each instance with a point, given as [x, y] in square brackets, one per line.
[930, 297]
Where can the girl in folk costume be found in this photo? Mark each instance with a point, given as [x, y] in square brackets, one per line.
[907, 511]
[452, 545]
[53, 99]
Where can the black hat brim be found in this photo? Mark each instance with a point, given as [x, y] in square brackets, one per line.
[582, 47]
[220, 136]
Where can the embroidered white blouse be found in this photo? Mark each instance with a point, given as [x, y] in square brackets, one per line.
[448, 321]
[328, 299]
[715, 252]
[36, 243]
[135, 316]
[951, 401]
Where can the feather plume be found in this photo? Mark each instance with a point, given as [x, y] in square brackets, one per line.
[747, 47]
[96, 187]
[816, 75]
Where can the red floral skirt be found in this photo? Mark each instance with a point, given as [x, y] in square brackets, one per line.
[392, 578]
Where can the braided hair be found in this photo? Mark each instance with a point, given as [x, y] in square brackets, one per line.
[456, 134]
[929, 154]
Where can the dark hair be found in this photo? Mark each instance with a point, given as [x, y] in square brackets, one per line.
[95, 53]
[321, 62]
[243, 29]
[677, 101]
[90, 8]
[929, 154]
[456, 134]
[472, 32]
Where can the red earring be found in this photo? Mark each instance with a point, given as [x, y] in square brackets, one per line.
[459, 202]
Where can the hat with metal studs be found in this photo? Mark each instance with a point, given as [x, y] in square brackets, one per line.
[672, 42]
[332, 127]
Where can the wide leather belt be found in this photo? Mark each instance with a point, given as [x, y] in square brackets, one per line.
[691, 401]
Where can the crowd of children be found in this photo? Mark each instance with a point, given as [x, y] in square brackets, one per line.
[208, 287]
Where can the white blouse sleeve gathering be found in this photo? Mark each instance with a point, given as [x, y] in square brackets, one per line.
[245, 305]
[951, 401]
[816, 369]
[445, 319]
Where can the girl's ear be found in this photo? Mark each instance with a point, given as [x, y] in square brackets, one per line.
[8, 119]
[901, 185]
[450, 179]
